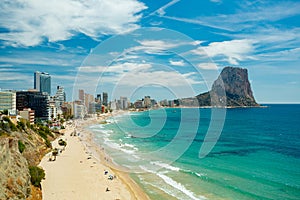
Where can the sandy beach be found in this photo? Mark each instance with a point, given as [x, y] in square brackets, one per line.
[79, 172]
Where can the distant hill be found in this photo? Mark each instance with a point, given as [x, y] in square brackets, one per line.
[231, 89]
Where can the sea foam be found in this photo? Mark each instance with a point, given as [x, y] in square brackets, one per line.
[179, 187]
[165, 165]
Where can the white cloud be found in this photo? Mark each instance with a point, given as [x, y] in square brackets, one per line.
[131, 74]
[284, 55]
[246, 17]
[161, 10]
[161, 47]
[14, 76]
[157, 44]
[177, 63]
[208, 66]
[30, 22]
[201, 21]
[164, 78]
[41, 58]
[118, 68]
[234, 50]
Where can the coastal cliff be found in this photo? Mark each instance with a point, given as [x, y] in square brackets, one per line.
[14, 174]
[231, 89]
[20, 148]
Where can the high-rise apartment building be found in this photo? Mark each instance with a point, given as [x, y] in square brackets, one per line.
[8, 102]
[123, 103]
[42, 82]
[98, 99]
[60, 97]
[89, 101]
[147, 102]
[105, 98]
[37, 101]
[81, 95]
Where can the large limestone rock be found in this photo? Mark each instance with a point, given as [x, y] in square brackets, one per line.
[232, 88]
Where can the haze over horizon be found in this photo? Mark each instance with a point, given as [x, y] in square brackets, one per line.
[135, 48]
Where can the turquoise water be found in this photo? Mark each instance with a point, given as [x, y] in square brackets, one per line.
[257, 155]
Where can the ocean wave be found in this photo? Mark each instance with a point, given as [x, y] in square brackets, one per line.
[165, 165]
[200, 175]
[130, 146]
[110, 121]
[177, 169]
[172, 182]
[97, 126]
[179, 186]
[169, 192]
[119, 146]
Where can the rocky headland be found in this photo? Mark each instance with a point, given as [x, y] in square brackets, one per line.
[231, 89]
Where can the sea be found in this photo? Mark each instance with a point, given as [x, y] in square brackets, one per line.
[249, 153]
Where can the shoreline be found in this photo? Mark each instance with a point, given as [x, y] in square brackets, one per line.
[78, 172]
[135, 190]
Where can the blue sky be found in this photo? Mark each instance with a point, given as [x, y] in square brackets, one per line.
[166, 48]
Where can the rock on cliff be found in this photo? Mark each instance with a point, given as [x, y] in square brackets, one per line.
[232, 88]
[14, 174]
[20, 149]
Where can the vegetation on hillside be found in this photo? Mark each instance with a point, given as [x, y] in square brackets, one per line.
[36, 174]
[7, 126]
[21, 146]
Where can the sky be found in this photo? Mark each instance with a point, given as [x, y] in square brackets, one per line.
[165, 49]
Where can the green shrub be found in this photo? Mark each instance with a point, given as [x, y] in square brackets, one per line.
[21, 125]
[21, 146]
[61, 142]
[5, 112]
[48, 143]
[28, 124]
[36, 174]
[12, 126]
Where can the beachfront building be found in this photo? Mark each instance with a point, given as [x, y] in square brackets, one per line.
[68, 109]
[8, 102]
[138, 104]
[60, 97]
[147, 102]
[92, 108]
[98, 98]
[189, 102]
[105, 98]
[79, 111]
[88, 101]
[42, 82]
[81, 95]
[27, 114]
[37, 101]
[171, 103]
[98, 107]
[164, 102]
[123, 103]
[153, 103]
[52, 110]
[114, 105]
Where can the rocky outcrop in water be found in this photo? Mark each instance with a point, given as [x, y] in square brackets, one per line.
[231, 89]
